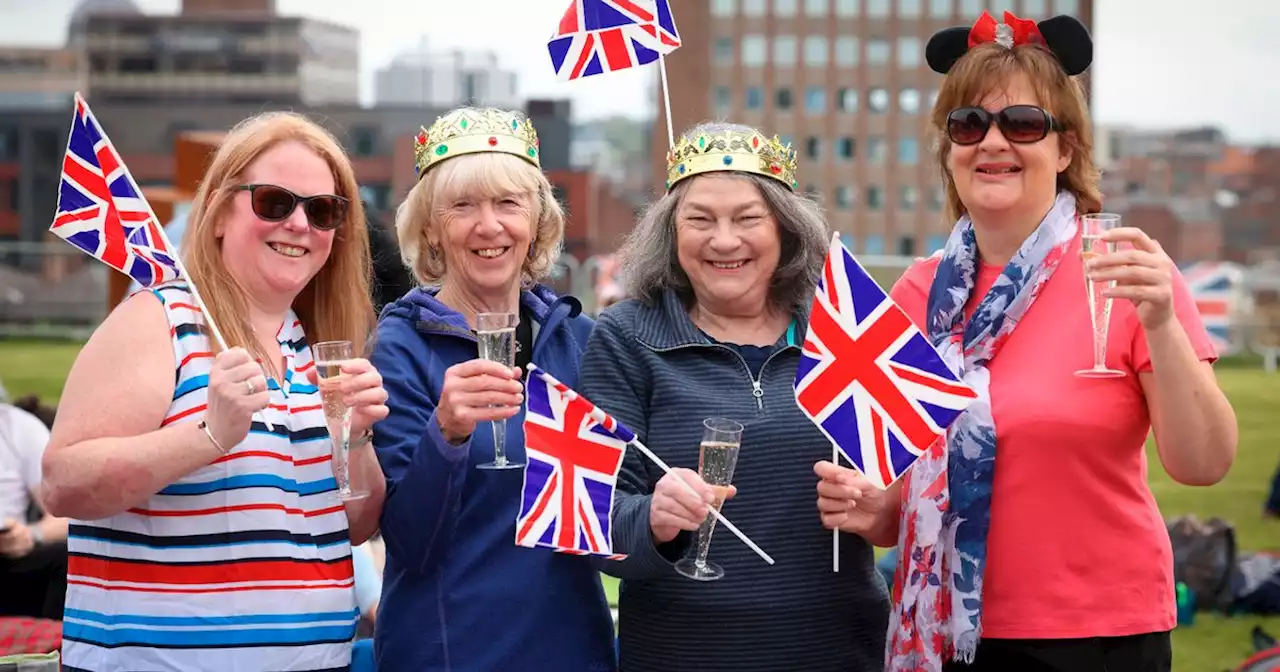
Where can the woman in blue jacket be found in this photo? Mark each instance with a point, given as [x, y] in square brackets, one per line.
[478, 230]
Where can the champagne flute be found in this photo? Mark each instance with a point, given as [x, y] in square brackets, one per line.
[496, 334]
[1092, 245]
[717, 459]
[329, 357]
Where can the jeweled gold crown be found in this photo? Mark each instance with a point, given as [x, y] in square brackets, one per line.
[733, 150]
[469, 130]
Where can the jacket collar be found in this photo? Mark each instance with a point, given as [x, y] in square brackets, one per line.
[666, 325]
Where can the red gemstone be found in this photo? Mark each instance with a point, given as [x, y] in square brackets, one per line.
[775, 168]
[422, 138]
[755, 142]
[493, 142]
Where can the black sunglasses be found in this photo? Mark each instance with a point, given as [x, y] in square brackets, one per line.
[274, 204]
[1022, 124]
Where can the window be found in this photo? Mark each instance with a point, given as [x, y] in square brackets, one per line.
[724, 8]
[847, 239]
[971, 8]
[723, 100]
[875, 244]
[755, 98]
[878, 9]
[754, 51]
[813, 147]
[1068, 7]
[377, 195]
[907, 246]
[909, 50]
[364, 141]
[753, 7]
[815, 51]
[908, 197]
[784, 7]
[724, 50]
[934, 243]
[782, 100]
[784, 50]
[847, 100]
[878, 99]
[815, 100]
[878, 52]
[875, 149]
[940, 9]
[846, 51]
[908, 151]
[933, 98]
[844, 197]
[909, 101]
[875, 198]
[816, 8]
[909, 8]
[845, 148]
[847, 9]
[1034, 9]
[936, 197]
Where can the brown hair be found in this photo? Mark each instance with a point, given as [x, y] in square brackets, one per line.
[336, 303]
[480, 175]
[987, 67]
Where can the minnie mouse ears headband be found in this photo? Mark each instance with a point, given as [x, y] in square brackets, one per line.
[1064, 36]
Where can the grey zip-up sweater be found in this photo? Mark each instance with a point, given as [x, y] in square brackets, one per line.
[653, 369]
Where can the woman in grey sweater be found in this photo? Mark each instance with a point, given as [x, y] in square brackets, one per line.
[720, 271]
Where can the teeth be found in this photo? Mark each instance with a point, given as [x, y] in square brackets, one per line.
[728, 265]
[999, 171]
[288, 250]
[491, 252]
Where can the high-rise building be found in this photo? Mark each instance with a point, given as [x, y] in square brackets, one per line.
[846, 83]
[215, 52]
[427, 78]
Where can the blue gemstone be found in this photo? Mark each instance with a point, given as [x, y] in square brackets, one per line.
[681, 169]
[728, 160]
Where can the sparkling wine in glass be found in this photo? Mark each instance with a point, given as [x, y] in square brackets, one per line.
[329, 357]
[1092, 245]
[717, 459]
[496, 333]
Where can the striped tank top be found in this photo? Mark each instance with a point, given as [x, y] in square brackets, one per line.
[243, 564]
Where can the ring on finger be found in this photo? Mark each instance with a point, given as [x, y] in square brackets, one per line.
[252, 389]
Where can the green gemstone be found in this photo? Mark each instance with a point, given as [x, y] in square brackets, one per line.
[533, 152]
[514, 124]
[463, 123]
[442, 150]
[702, 142]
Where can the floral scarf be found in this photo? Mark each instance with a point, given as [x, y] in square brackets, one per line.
[943, 537]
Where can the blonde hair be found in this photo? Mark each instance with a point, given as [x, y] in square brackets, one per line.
[986, 68]
[481, 175]
[336, 303]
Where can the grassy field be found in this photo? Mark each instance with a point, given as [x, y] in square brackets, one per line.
[1213, 644]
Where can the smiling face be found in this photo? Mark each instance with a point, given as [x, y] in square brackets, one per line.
[276, 260]
[727, 242]
[485, 241]
[997, 178]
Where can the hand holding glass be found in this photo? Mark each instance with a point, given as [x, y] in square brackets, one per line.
[717, 459]
[496, 333]
[1091, 246]
[329, 357]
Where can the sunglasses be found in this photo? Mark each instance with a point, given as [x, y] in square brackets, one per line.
[270, 203]
[1022, 124]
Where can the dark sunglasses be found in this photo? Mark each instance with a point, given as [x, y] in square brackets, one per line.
[274, 204]
[1022, 124]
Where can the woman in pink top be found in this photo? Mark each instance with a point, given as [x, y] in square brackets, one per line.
[1029, 539]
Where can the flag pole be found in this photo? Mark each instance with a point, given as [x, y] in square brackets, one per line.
[603, 420]
[173, 254]
[666, 100]
[835, 532]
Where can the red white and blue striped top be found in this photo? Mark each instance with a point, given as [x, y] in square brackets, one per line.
[242, 564]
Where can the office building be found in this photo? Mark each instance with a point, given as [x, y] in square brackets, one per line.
[445, 79]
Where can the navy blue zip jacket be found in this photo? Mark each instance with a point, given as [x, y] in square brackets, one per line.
[458, 594]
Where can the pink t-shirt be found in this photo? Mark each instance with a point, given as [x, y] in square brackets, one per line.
[1077, 546]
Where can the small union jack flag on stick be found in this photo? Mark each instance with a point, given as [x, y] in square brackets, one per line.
[573, 451]
[868, 378]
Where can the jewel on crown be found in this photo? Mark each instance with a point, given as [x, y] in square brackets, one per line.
[472, 130]
[733, 150]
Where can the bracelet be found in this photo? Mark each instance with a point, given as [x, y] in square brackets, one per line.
[205, 426]
[365, 437]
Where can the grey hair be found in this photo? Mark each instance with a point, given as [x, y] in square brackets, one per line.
[649, 263]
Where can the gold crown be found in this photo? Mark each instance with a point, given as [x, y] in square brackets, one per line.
[733, 150]
[470, 130]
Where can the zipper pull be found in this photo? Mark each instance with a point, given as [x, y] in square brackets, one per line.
[758, 394]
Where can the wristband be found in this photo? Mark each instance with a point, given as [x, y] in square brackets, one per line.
[365, 437]
[205, 426]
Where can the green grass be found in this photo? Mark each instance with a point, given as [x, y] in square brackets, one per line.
[1213, 644]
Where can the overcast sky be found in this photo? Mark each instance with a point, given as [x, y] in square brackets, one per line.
[1158, 63]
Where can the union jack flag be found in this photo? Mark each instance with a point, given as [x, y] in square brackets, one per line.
[573, 451]
[599, 36]
[1213, 285]
[102, 211]
[868, 378]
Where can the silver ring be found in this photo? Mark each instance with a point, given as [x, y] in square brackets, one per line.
[252, 389]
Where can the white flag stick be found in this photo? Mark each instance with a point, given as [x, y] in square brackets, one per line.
[835, 533]
[666, 99]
